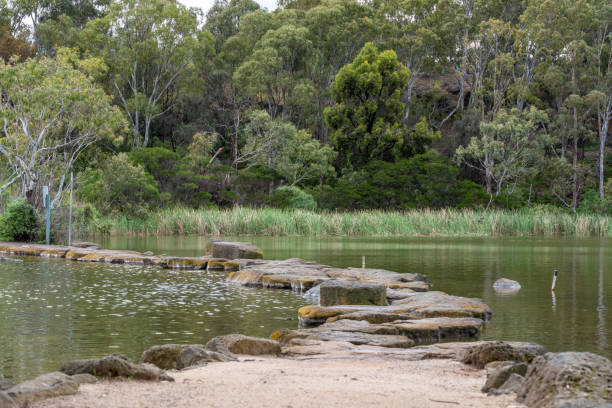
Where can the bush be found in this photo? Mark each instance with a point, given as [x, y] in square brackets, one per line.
[423, 181]
[293, 197]
[18, 223]
[120, 187]
[591, 203]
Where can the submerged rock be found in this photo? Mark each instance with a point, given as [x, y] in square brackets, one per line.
[241, 344]
[506, 284]
[5, 259]
[45, 386]
[115, 365]
[345, 292]
[482, 354]
[568, 380]
[233, 250]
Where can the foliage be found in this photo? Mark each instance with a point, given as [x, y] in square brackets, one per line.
[50, 114]
[423, 181]
[18, 223]
[119, 187]
[365, 119]
[293, 197]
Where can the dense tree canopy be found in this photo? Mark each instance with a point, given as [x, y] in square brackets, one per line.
[380, 104]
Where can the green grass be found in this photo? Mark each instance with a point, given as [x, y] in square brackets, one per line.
[276, 222]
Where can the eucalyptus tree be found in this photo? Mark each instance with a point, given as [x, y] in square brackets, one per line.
[504, 144]
[50, 114]
[149, 46]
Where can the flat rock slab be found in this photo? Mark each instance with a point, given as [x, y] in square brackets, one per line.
[233, 250]
[349, 292]
[400, 334]
[415, 306]
[115, 365]
[241, 344]
[440, 304]
[569, 380]
[302, 275]
[45, 386]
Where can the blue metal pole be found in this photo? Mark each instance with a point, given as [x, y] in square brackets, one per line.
[70, 213]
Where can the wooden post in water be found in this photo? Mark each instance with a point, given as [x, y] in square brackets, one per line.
[362, 261]
[554, 280]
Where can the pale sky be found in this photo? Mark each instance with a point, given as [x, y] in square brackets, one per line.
[206, 4]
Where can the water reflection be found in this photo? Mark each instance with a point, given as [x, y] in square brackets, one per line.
[52, 310]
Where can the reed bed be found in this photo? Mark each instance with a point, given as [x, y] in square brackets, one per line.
[278, 222]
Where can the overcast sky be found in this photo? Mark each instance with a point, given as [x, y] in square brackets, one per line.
[206, 4]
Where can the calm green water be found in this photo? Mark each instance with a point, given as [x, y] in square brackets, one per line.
[53, 310]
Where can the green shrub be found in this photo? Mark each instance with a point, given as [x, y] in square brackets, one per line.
[293, 197]
[423, 181]
[591, 203]
[18, 223]
[120, 187]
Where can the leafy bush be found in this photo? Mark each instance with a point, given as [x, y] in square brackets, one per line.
[120, 187]
[18, 223]
[293, 197]
[423, 181]
[591, 203]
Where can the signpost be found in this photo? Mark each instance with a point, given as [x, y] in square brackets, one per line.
[47, 201]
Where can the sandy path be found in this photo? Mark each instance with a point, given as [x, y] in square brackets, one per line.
[286, 383]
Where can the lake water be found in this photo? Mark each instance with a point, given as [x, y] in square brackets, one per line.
[53, 310]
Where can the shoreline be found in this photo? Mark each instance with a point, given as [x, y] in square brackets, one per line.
[266, 382]
[374, 318]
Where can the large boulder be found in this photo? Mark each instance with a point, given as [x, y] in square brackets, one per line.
[45, 386]
[241, 344]
[180, 356]
[347, 292]
[233, 250]
[115, 365]
[568, 380]
[482, 354]
[498, 372]
[196, 355]
[165, 356]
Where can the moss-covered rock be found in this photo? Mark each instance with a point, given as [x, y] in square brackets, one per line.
[115, 365]
[481, 355]
[233, 250]
[347, 292]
